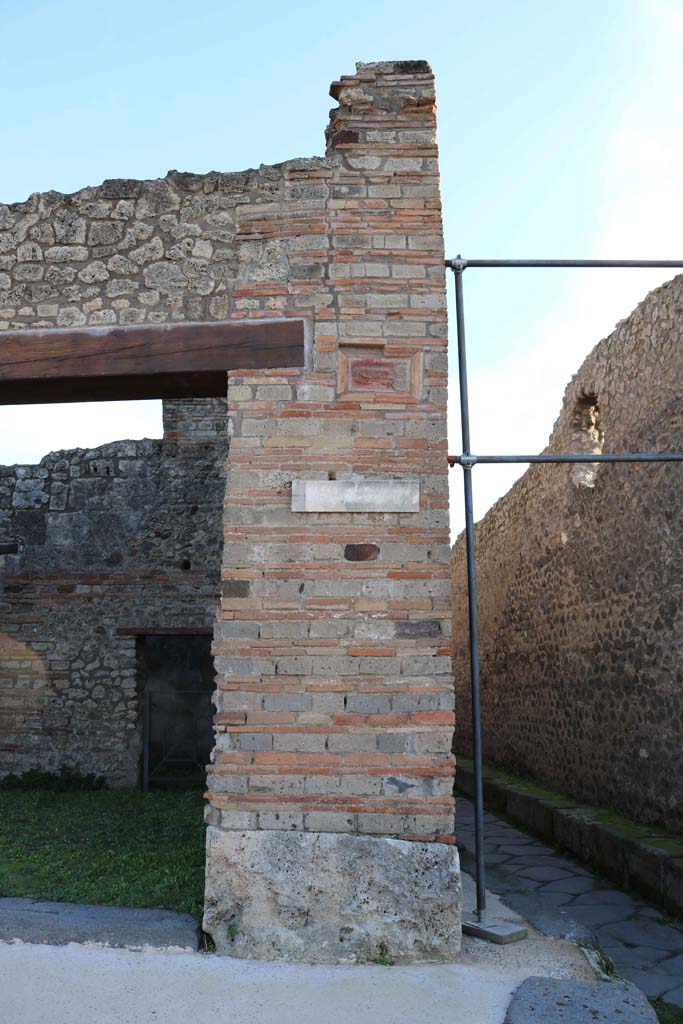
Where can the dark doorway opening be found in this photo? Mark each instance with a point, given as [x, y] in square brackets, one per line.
[176, 682]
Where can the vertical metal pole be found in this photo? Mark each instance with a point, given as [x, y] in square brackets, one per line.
[459, 267]
[146, 735]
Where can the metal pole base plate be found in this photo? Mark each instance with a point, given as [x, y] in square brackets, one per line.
[494, 930]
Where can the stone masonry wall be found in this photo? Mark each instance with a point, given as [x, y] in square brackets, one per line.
[114, 542]
[334, 713]
[580, 593]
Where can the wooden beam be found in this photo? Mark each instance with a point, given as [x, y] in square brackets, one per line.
[99, 364]
[163, 631]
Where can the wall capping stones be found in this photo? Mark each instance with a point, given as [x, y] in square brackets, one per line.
[368, 495]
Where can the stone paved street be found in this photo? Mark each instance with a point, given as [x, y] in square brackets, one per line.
[563, 898]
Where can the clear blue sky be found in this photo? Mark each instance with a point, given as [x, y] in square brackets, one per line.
[545, 112]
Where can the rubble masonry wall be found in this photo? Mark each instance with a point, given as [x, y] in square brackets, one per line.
[581, 593]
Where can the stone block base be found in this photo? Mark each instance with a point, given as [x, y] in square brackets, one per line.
[322, 897]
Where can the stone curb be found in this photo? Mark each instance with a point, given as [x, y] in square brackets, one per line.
[629, 863]
[57, 924]
[569, 1001]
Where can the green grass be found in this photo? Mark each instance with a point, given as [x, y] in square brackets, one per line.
[667, 1013]
[119, 846]
[605, 963]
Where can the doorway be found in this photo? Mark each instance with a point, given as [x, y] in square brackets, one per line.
[176, 681]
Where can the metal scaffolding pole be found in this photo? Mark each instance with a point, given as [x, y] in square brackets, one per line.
[471, 600]
[499, 931]
[460, 264]
[489, 460]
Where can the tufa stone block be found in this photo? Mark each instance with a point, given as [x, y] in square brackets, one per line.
[321, 897]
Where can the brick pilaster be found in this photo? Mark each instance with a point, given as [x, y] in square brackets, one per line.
[335, 699]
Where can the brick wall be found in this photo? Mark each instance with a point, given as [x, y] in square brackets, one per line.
[580, 600]
[335, 701]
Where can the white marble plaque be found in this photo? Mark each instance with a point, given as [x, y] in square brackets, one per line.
[368, 495]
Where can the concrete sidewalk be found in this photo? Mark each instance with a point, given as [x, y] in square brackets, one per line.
[85, 984]
[80, 985]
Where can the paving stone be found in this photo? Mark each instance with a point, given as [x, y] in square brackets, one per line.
[673, 965]
[499, 828]
[653, 983]
[509, 883]
[569, 1001]
[557, 899]
[533, 860]
[635, 956]
[675, 996]
[607, 897]
[528, 850]
[649, 912]
[596, 916]
[513, 839]
[573, 884]
[502, 840]
[581, 906]
[545, 874]
[522, 884]
[513, 867]
[581, 872]
[646, 933]
[553, 922]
